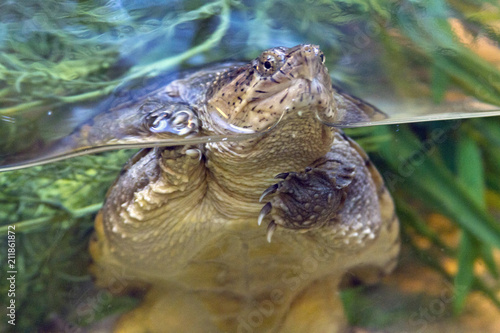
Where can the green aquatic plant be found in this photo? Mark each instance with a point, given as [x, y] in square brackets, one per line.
[56, 53]
[449, 168]
[54, 65]
[447, 173]
[50, 208]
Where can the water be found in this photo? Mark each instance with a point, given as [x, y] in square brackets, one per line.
[33, 132]
[61, 62]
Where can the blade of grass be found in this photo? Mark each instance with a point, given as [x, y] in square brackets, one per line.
[439, 84]
[470, 169]
[437, 187]
[471, 173]
[467, 253]
[411, 218]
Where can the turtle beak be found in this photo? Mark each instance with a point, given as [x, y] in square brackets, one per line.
[312, 62]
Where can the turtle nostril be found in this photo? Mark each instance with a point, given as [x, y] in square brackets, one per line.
[313, 51]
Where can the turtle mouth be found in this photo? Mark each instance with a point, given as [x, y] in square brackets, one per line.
[299, 95]
[261, 111]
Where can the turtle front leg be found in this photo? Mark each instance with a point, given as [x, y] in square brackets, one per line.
[134, 249]
[309, 199]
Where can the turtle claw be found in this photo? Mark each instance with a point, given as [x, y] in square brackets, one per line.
[282, 175]
[306, 200]
[264, 211]
[194, 153]
[270, 190]
[270, 230]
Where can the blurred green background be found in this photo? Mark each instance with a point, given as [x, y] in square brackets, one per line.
[57, 52]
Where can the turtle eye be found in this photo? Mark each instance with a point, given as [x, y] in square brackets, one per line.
[268, 63]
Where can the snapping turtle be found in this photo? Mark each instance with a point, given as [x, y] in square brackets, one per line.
[249, 236]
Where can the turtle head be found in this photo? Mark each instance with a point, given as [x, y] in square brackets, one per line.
[279, 82]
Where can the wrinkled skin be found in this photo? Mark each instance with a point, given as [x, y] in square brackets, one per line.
[182, 223]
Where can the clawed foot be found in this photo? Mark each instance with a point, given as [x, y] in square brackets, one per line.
[175, 119]
[305, 200]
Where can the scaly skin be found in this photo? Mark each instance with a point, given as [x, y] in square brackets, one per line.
[181, 222]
